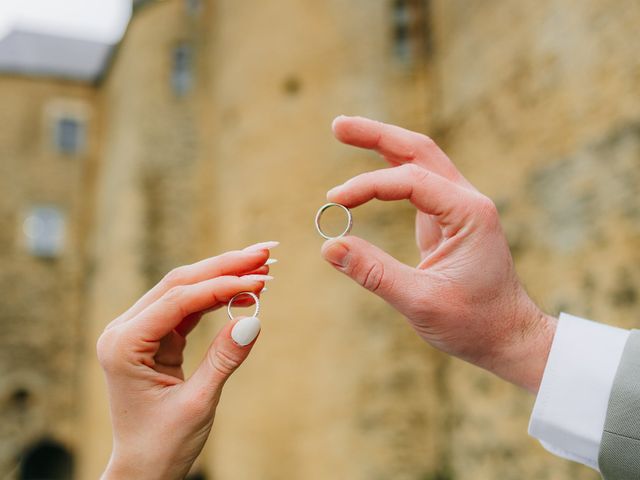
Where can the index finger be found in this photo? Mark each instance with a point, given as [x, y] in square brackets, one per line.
[429, 192]
[237, 262]
[397, 145]
[170, 310]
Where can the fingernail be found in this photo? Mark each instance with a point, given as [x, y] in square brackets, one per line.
[337, 254]
[265, 289]
[271, 261]
[245, 331]
[335, 120]
[334, 191]
[257, 278]
[262, 246]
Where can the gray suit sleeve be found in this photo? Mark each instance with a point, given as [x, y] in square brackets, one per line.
[619, 456]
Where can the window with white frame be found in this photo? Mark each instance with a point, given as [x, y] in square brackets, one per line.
[193, 7]
[402, 29]
[44, 231]
[410, 29]
[69, 134]
[182, 74]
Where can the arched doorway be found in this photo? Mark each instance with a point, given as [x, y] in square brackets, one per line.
[46, 460]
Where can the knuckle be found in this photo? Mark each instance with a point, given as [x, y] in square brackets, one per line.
[426, 140]
[176, 276]
[416, 172]
[364, 178]
[410, 168]
[487, 208]
[102, 347]
[174, 298]
[373, 276]
[223, 363]
[107, 348]
[174, 294]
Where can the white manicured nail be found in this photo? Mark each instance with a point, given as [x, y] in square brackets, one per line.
[245, 331]
[334, 191]
[262, 246]
[271, 261]
[258, 278]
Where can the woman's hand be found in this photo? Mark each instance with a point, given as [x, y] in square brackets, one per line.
[464, 297]
[160, 420]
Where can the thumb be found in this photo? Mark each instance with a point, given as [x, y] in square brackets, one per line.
[374, 269]
[227, 352]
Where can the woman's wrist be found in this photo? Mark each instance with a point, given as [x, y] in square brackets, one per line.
[140, 469]
[117, 470]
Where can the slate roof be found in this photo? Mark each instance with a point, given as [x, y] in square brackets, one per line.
[39, 54]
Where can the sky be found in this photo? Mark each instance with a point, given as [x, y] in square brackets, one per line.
[101, 20]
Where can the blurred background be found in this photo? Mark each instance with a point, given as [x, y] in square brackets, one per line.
[138, 137]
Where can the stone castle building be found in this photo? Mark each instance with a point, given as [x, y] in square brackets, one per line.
[207, 129]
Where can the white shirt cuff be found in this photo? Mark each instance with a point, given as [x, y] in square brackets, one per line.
[571, 406]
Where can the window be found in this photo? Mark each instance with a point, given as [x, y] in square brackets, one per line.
[69, 134]
[46, 460]
[410, 33]
[66, 121]
[401, 29]
[196, 476]
[44, 230]
[181, 78]
[194, 7]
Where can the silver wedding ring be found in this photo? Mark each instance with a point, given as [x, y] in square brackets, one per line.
[249, 294]
[321, 212]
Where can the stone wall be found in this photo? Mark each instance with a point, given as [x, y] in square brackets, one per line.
[40, 314]
[338, 385]
[149, 206]
[537, 103]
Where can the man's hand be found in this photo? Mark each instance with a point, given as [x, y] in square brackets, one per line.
[160, 420]
[464, 297]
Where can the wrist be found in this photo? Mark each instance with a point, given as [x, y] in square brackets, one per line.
[523, 356]
[117, 469]
[120, 468]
